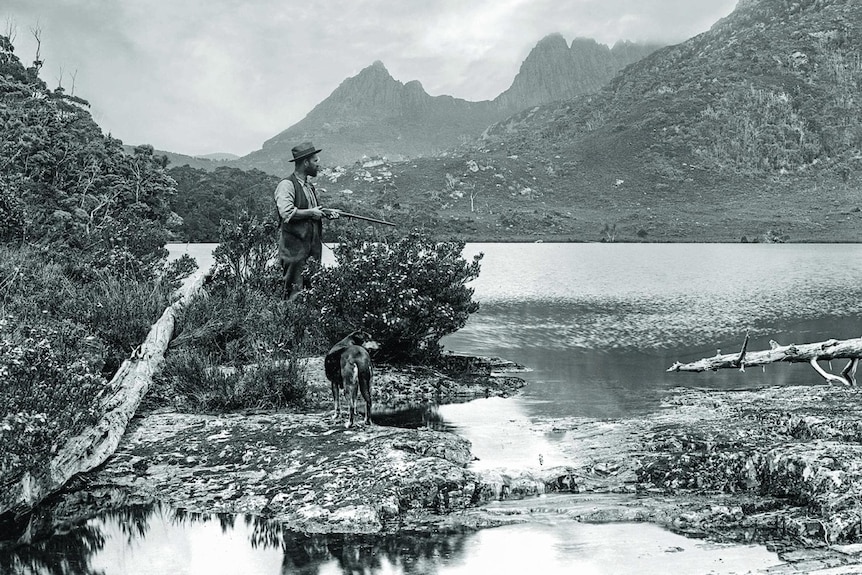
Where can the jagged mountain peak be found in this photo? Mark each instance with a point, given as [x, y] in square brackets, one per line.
[556, 70]
[376, 67]
[373, 113]
[555, 40]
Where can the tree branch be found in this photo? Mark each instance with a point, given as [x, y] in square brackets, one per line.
[826, 350]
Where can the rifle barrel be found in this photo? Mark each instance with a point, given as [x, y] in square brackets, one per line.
[366, 218]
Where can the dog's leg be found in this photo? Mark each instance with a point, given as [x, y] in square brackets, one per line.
[336, 400]
[350, 374]
[365, 388]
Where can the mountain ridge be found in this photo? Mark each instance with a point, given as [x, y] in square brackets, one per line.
[372, 114]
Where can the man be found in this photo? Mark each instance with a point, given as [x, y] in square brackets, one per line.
[299, 218]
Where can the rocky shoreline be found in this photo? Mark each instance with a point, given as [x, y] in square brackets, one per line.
[776, 466]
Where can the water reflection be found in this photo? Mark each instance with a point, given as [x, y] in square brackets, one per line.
[157, 539]
[65, 553]
[422, 416]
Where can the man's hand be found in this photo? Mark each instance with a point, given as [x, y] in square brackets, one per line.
[331, 213]
[315, 213]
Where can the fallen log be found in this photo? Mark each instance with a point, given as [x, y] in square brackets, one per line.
[93, 446]
[812, 353]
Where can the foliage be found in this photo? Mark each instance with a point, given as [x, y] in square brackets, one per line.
[49, 391]
[239, 324]
[204, 200]
[67, 186]
[754, 130]
[197, 382]
[114, 310]
[247, 252]
[407, 293]
[12, 213]
[237, 343]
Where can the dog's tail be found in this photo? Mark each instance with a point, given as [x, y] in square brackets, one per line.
[354, 375]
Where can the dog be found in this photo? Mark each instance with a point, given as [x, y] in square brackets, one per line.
[349, 369]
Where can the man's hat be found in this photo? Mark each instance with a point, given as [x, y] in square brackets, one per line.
[303, 150]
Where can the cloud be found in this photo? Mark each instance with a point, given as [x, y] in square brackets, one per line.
[200, 76]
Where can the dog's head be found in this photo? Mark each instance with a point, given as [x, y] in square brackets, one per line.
[364, 339]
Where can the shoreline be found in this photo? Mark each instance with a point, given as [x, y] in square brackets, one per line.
[773, 466]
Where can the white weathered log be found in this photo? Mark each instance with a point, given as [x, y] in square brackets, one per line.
[850, 349]
[121, 399]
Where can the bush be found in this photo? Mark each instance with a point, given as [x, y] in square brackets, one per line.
[120, 312]
[237, 342]
[117, 310]
[12, 213]
[408, 294]
[247, 254]
[239, 324]
[49, 392]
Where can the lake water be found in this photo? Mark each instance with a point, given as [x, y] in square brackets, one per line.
[598, 325]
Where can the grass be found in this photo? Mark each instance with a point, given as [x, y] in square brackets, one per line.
[236, 346]
[195, 382]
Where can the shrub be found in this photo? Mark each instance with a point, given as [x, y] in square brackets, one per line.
[117, 310]
[408, 294]
[237, 323]
[12, 213]
[247, 253]
[49, 391]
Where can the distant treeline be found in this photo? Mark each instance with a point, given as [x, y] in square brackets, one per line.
[203, 199]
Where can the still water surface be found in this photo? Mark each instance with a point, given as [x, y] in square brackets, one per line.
[598, 324]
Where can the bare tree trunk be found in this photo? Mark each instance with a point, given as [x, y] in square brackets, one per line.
[850, 349]
[93, 446]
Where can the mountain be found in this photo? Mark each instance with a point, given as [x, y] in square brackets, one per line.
[557, 71]
[727, 126]
[372, 114]
[751, 131]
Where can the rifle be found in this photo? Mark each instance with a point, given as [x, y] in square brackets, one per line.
[357, 217]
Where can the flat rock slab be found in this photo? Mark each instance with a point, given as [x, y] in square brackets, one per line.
[306, 471]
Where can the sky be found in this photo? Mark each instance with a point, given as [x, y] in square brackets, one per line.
[204, 76]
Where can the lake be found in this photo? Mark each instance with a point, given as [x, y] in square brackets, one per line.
[598, 325]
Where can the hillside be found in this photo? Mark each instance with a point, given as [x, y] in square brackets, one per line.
[751, 131]
[372, 114]
[66, 186]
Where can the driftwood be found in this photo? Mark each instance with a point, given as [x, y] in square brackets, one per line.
[812, 353]
[92, 447]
